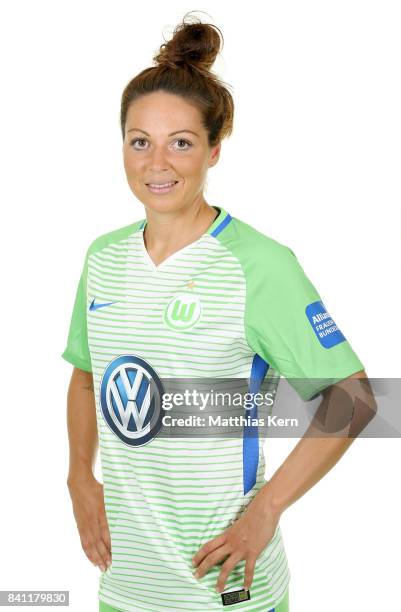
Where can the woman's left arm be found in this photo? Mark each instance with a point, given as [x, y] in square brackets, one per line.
[314, 455]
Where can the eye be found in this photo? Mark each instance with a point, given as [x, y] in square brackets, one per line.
[135, 140]
[186, 142]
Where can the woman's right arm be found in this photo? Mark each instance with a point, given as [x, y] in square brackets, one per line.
[85, 491]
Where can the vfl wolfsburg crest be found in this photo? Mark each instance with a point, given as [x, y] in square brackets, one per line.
[183, 311]
[130, 399]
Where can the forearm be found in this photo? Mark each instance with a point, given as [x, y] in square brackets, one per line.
[82, 426]
[308, 462]
[343, 413]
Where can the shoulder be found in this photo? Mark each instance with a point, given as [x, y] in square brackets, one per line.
[273, 273]
[255, 250]
[114, 236]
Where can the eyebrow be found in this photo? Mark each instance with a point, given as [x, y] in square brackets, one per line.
[171, 133]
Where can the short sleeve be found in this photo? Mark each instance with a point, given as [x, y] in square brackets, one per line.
[288, 325]
[77, 349]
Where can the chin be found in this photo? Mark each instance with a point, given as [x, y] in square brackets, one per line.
[161, 204]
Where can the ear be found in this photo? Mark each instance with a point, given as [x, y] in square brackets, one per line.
[214, 155]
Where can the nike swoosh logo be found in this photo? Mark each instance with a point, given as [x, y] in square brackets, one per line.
[94, 306]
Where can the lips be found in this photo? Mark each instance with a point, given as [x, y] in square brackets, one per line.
[165, 184]
[160, 188]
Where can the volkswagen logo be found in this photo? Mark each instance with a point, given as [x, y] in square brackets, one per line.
[131, 395]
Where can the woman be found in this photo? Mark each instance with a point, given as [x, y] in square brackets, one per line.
[188, 290]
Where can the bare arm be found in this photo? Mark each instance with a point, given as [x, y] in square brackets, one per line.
[85, 491]
[345, 410]
[316, 453]
[82, 428]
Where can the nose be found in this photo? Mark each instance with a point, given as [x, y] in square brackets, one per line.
[158, 159]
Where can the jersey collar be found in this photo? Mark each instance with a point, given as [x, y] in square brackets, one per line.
[221, 221]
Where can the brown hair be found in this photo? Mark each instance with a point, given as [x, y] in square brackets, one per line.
[183, 68]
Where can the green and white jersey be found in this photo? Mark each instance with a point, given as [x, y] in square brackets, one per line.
[232, 303]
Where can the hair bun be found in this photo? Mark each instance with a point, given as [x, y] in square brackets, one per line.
[194, 44]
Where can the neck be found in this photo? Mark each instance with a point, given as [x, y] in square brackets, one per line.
[168, 231]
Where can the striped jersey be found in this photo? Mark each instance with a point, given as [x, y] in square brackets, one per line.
[232, 304]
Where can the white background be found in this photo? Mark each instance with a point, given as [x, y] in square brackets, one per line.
[314, 162]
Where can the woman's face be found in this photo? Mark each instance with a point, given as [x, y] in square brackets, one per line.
[165, 141]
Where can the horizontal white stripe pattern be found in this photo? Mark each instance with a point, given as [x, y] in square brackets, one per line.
[165, 499]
